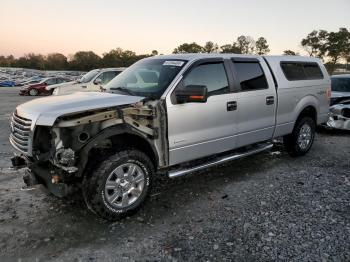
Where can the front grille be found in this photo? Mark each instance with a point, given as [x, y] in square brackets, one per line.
[20, 133]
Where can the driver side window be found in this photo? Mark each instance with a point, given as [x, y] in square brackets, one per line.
[211, 75]
[107, 76]
[51, 81]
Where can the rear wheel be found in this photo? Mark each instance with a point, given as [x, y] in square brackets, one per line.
[33, 92]
[119, 185]
[300, 141]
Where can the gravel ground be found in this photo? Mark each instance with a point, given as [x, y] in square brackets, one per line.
[262, 208]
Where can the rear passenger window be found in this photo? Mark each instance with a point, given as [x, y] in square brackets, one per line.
[250, 76]
[211, 75]
[295, 71]
[313, 71]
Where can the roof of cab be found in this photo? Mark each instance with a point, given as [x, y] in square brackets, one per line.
[195, 56]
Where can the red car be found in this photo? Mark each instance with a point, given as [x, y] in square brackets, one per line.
[39, 88]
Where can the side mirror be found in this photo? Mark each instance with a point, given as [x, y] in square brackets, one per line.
[98, 81]
[192, 93]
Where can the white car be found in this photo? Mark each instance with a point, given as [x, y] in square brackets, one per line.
[93, 81]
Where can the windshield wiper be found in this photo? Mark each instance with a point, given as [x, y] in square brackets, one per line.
[123, 89]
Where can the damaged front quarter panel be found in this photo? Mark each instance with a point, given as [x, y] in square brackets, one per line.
[73, 136]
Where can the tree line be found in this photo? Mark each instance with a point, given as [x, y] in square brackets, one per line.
[80, 61]
[331, 47]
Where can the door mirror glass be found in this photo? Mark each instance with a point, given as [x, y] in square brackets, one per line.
[98, 81]
[192, 93]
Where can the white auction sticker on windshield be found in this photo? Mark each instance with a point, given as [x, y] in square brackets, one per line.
[173, 63]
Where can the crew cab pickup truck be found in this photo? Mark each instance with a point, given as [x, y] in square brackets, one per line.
[168, 115]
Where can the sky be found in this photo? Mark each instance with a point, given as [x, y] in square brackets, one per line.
[67, 26]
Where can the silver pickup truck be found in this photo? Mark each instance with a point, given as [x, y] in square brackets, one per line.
[170, 115]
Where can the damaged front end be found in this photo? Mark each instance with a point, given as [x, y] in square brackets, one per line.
[57, 156]
[340, 115]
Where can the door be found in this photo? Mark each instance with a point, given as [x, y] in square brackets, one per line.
[256, 101]
[197, 130]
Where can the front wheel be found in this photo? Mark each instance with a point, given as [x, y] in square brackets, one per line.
[33, 92]
[300, 141]
[119, 185]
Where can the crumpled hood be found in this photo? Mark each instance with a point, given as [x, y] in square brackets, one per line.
[45, 111]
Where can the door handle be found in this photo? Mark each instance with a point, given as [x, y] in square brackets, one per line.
[270, 100]
[83, 86]
[231, 105]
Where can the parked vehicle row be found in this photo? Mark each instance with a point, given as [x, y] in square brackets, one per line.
[11, 77]
[172, 115]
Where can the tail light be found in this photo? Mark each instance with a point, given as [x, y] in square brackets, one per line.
[329, 93]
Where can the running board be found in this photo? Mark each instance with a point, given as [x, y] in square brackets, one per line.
[258, 149]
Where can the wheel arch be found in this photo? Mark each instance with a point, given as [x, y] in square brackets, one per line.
[307, 106]
[120, 137]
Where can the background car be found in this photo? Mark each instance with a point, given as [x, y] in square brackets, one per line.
[7, 83]
[339, 117]
[39, 88]
[340, 88]
[92, 81]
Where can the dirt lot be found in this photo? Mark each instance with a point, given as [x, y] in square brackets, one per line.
[266, 207]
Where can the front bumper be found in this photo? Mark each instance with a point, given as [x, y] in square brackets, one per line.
[42, 173]
[23, 92]
[339, 122]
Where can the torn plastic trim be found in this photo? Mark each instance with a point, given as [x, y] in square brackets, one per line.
[338, 118]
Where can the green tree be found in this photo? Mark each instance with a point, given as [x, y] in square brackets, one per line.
[246, 44]
[85, 61]
[113, 58]
[154, 52]
[188, 48]
[210, 47]
[289, 52]
[228, 48]
[129, 57]
[31, 60]
[261, 46]
[315, 43]
[8, 61]
[120, 58]
[337, 46]
[56, 61]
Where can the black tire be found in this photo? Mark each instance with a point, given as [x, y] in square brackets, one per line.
[33, 92]
[94, 191]
[291, 142]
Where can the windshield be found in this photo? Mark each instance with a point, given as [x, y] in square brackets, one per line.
[88, 76]
[41, 81]
[341, 84]
[148, 77]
